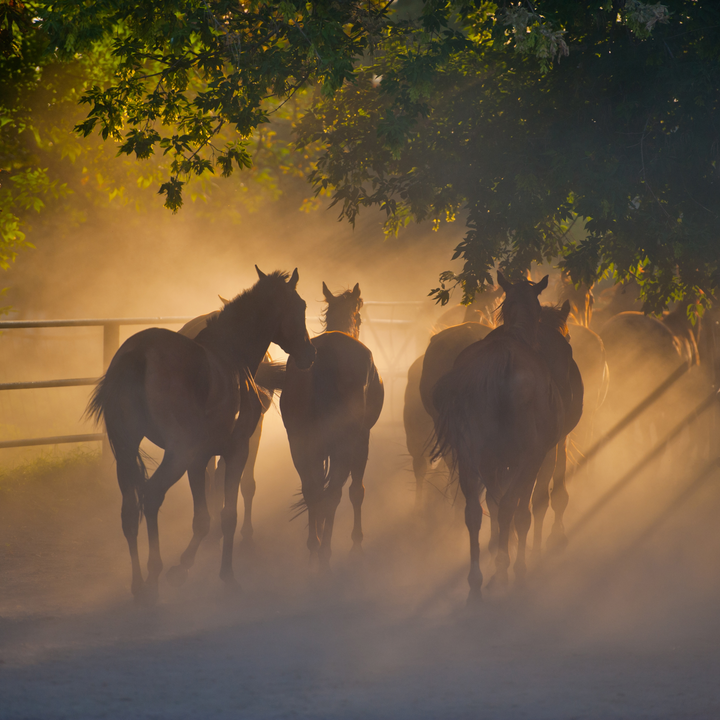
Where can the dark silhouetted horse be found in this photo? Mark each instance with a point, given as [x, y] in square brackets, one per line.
[195, 399]
[641, 353]
[328, 412]
[419, 412]
[501, 415]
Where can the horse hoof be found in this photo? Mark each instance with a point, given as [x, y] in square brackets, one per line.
[474, 599]
[356, 552]
[246, 547]
[176, 576]
[557, 542]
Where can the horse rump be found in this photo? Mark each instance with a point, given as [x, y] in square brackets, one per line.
[119, 400]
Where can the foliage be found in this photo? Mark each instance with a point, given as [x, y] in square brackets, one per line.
[44, 166]
[532, 119]
[188, 69]
[23, 185]
[581, 131]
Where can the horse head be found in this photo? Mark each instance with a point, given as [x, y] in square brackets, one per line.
[343, 311]
[291, 332]
[521, 307]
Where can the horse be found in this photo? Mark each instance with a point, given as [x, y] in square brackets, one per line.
[328, 412]
[500, 416]
[269, 377]
[418, 411]
[641, 353]
[195, 399]
[588, 353]
[622, 297]
[457, 327]
[480, 310]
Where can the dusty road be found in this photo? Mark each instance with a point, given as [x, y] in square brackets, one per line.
[624, 625]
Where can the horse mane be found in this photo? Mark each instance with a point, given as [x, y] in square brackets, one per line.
[555, 317]
[335, 315]
[552, 316]
[256, 295]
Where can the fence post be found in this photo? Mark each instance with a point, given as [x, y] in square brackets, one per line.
[111, 342]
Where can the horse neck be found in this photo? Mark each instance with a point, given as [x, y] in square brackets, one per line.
[341, 322]
[524, 325]
[242, 339]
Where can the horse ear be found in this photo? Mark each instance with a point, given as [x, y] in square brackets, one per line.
[540, 286]
[329, 297]
[260, 273]
[224, 300]
[565, 310]
[293, 281]
[356, 291]
[503, 282]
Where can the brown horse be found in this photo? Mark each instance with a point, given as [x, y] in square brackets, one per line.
[195, 399]
[500, 414]
[268, 378]
[641, 353]
[480, 310]
[328, 412]
[419, 412]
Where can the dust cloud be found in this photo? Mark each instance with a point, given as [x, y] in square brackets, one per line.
[622, 624]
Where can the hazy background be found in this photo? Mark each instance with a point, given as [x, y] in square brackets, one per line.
[624, 624]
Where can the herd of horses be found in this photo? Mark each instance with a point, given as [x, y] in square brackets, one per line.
[494, 402]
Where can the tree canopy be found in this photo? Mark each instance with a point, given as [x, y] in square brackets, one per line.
[595, 142]
[584, 132]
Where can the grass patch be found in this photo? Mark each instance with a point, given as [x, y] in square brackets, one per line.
[53, 482]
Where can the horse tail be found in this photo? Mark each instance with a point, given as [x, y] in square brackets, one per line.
[375, 397]
[470, 401]
[271, 376]
[448, 424]
[118, 399]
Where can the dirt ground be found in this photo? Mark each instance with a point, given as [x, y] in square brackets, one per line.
[625, 624]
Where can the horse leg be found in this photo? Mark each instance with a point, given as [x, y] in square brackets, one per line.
[131, 478]
[201, 523]
[541, 499]
[357, 489]
[171, 469]
[340, 466]
[234, 466]
[506, 513]
[214, 492]
[308, 462]
[248, 485]
[493, 506]
[523, 520]
[420, 468]
[470, 485]
[559, 499]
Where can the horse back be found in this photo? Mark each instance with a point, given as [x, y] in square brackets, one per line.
[342, 388]
[417, 422]
[498, 402]
[441, 353]
[188, 394]
[345, 376]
